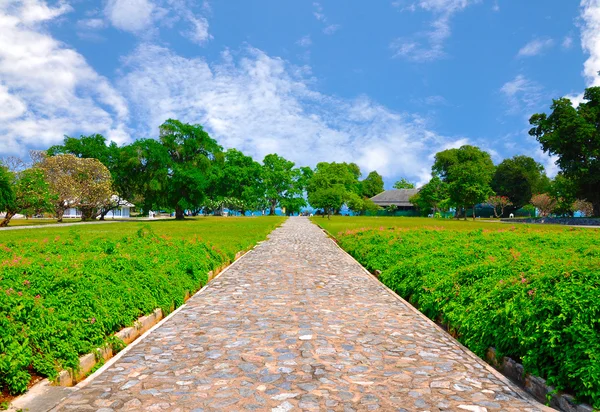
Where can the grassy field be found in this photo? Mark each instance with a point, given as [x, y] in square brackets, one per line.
[65, 290]
[34, 222]
[342, 223]
[530, 291]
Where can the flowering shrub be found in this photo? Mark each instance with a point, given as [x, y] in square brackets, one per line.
[64, 297]
[534, 296]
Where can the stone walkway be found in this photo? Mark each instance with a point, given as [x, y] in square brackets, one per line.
[297, 324]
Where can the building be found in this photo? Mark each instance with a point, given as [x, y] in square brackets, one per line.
[396, 197]
[121, 212]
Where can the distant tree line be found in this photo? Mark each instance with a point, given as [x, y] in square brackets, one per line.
[185, 170]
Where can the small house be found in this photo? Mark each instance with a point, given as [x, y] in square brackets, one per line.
[396, 197]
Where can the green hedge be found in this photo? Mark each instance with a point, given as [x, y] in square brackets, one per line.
[63, 297]
[534, 296]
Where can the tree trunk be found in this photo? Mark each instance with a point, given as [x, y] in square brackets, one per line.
[59, 214]
[6, 221]
[179, 213]
[473, 212]
[596, 206]
[272, 208]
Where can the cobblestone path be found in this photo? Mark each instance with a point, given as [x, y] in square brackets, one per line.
[297, 325]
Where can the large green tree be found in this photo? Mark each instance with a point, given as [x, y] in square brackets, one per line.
[519, 178]
[332, 185]
[191, 151]
[371, 185]
[7, 195]
[31, 194]
[468, 172]
[278, 176]
[573, 135]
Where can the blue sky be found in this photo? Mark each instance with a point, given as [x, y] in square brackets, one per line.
[385, 84]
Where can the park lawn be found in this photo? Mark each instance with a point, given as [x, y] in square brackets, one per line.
[40, 221]
[530, 291]
[342, 223]
[64, 291]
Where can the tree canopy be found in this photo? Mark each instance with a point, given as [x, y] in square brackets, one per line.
[404, 184]
[468, 172]
[371, 185]
[519, 178]
[573, 135]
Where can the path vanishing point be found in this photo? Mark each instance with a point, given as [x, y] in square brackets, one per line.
[297, 324]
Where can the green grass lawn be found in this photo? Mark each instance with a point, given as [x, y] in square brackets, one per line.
[342, 223]
[65, 290]
[41, 221]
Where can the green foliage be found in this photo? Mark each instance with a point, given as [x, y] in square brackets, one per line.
[64, 292]
[573, 134]
[519, 178]
[31, 193]
[432, 196]
[468, 172]
[332, 185]
[281, 180]
[507, 289]
[404, 184]
[371, 185]
[7, 195]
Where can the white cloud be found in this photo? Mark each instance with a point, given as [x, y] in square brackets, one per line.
[305, 41]
[49, 89]
[567, 42]
[535, 47]
[91, 24]
[199, 33]
[590, 40]
[262, 105]
[429, 45]
[521, 94]
[130, 15]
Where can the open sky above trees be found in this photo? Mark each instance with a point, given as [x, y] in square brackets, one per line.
[385, 85]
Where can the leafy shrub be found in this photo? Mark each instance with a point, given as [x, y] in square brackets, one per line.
[534, 296]
[65, 297]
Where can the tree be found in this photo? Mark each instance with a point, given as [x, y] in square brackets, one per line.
[332, 185]
[544, 203]
[7, 195]
[519, 178]
[361, 205]
[31, 194]
[278, 175]
[573, 134]
[564, 191]
[468, 172]
[371, 185]
[110, 155]
[190, 151]
[77, 182]
[404, 184]
[499, 202]
[431, 196]
[584, 207]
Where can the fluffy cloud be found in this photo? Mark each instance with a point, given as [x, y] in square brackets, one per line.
[305, 41]
[47, 89]
[319, 15]
[428, 45]
[199, 33]
[535, 47]
[590, 40]
[262, 105]
[130, 15]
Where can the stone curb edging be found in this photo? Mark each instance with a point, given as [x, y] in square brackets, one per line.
[535, 385]
[130, 336]
[467, 351]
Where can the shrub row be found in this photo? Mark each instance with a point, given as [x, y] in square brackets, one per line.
[534, 296]
[64, 297]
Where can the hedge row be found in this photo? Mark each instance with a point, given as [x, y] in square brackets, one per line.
[534, 296]
[64, 297]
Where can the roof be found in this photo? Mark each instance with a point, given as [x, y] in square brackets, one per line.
[398, 197]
